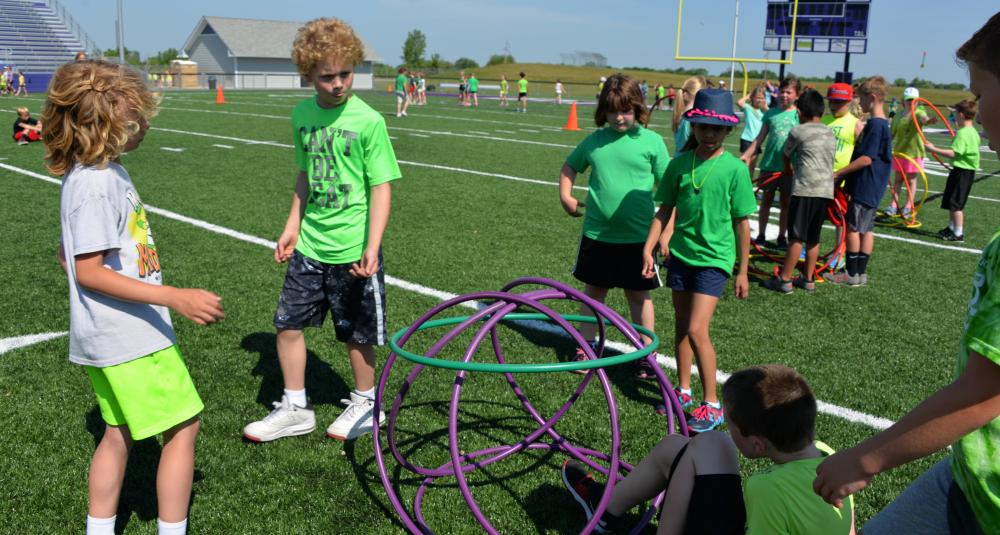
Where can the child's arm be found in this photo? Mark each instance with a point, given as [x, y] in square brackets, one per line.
[743, 100]
[947, 153]
[61, 254]
[570, 203]
[752, 149]
[200, 306]
[378, 218]
[668, 232]
[860, 163]
[968, 403]
[290, 235]
[741, 284]
[660, 222]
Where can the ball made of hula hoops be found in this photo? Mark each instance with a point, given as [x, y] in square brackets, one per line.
[494, 308]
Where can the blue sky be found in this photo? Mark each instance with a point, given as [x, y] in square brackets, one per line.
[640, 33]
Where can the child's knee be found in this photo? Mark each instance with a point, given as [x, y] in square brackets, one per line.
[187, 430]
[713, 452]
[118, 437]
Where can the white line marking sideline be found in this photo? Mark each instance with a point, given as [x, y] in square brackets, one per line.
[171, 149]
[222, 146]
[835, 410]
[10, 344]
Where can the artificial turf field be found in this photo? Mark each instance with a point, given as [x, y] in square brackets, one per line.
[476, 208]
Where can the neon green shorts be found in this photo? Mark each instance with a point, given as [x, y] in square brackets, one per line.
[150, 394]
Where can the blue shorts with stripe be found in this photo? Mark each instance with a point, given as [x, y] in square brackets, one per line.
[313, 288]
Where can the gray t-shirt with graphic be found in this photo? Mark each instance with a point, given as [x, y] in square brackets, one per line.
[100, 211]
[812, 148]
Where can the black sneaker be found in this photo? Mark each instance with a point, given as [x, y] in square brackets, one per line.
[760, 240]
[953, 237]
[585, 490]
[782, 243]
[944, 232]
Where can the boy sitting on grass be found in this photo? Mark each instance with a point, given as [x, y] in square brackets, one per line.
[771, 413]
[26, 127]
[809, 150]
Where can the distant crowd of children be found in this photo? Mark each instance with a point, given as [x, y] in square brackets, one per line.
[700, 231]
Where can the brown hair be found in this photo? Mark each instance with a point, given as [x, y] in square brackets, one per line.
[774, 402]
[620, 93]
[981, 48]
[873, 85]
[84, 113]
[322, 38]
[792, 82]
[967, 109]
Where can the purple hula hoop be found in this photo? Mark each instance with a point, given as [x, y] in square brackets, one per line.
[489, 316]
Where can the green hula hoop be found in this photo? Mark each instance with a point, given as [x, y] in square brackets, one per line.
[496, 367]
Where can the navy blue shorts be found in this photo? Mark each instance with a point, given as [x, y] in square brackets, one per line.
[700, 280]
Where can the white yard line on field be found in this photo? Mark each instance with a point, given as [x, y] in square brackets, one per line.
[828, 408]
[171, 149]
[10, 344]
[222, 146]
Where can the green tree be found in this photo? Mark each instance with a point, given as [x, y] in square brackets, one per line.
[499, 59]
[163, 58]
[414, 48]
[466, 63]
[899, 82]
[131, 56]
[436, 61]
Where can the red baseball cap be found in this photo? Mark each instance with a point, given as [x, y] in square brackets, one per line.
[840, 91]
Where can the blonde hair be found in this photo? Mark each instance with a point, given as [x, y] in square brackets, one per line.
[875, 85]
[22, 109]
[322, 38]
[85, 113]
[692, 85]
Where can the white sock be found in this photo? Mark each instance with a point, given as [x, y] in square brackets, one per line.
[171, 528]
[714, 404]
[101, 526]
[370, 393]
[296, 397]
[957, 230]
[685, 391]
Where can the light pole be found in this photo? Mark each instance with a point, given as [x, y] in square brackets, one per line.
[121, 34]
[736, 27]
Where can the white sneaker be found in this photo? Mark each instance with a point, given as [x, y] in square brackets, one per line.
[404, 114]
[399, 115]
[356, 420]
[286, 420]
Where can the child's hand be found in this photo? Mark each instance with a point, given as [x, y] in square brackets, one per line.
[367, 266]
[929, 146]
[648, 265]
[572, 206]
[741, 285]
[285, 246]
[200, 306]
[839, 476]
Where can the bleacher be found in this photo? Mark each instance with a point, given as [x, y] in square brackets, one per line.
[36, 37]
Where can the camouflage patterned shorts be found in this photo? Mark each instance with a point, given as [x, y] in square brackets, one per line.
[312, 288]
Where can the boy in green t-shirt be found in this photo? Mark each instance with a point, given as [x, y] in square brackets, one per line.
[333, 236]
[402, 102]
[522, 94]
[473, 86]
[964, 154]
[772, 414]
[961, 493]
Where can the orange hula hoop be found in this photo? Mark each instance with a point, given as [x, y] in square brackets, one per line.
[920, 128]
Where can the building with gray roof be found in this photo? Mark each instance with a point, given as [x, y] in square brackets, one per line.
[250, 53]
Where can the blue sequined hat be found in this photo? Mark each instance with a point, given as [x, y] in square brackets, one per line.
[712, 106]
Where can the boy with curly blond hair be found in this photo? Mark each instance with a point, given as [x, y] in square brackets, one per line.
[333, 236]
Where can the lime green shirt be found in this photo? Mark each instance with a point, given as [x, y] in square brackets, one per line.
[976, 456]
[905, 138]
[661, 92]
[843, 130]
[473, 84]
[779, 123]
[522, 85]
[703, 224]
[624, 169]
[966, 147]
[780, 501]
[503, 86]
[344, 151]
[401, 83]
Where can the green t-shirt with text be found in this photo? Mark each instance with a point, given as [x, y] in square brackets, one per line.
[473, 84]
[624, 169]
[401, 83]
[703, 223]
[522, 85]
[966, 147]
[779, 123]
[905, 138]
[976, 456]
[780, 501]
[345, 151]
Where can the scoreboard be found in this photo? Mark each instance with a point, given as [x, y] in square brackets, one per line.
[822, 26]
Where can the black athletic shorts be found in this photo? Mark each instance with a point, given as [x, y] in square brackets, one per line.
[956, 191]
[805, 218]
[784, 182]
[716, 505]
[312, 288]
[612, 265]
[522, 95]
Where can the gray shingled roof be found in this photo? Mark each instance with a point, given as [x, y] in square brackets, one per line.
[251, 38]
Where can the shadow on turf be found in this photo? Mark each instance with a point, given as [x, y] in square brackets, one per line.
[325, 386]
[138, 496]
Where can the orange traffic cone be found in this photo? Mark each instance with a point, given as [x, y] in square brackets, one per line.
[571, 123]
[219, 97]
